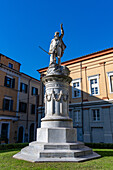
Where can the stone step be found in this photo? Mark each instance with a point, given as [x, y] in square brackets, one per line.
[31, 150]
[33, 158]
[57, 146]
[65, 153]
[67, 147]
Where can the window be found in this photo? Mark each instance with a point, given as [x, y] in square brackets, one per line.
[110, 77]
[22, 107]
[96, 115]
[31, 133]
[21, 134]
[23, 87]
[111, 83]
[10, 65]
[76, 92]
[9, 82]
[94, 85]
[32, 109]
[34, 91]
[77, 116]
[7, 104]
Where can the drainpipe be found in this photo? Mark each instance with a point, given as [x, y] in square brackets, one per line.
[36, 115]
[82, 97]
[17, 107]
[27, 110]
[105, 79]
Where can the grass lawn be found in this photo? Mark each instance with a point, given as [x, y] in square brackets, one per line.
[103, 163]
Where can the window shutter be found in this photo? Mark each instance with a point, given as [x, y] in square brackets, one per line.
[19, 106]
[3, 104]
[11, 105]
[31, 108]
[5, 82]
[32, 91]
[37, 100]
[36, 91]
[26, 87]
[21, 87]
[34, 109]
[25, 107]
[13, 83]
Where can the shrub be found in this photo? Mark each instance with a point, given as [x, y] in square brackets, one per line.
[13, 146]
[100, 145]
[91, 145]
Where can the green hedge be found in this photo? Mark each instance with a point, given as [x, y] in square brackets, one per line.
[100, 145]
[13, 146]
[91, 145]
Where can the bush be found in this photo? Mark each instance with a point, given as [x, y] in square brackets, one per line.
[13, 146]
[3, 139]
[100, 145]
[91, 145]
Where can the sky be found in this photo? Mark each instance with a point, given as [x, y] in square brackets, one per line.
[27, 24]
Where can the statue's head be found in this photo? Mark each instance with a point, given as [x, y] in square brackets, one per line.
[56, 34]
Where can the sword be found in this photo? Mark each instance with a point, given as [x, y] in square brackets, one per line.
[43, 50]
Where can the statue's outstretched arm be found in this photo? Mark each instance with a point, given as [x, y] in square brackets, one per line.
[62, 31]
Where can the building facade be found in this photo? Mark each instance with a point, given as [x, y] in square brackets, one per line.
[91, 96]
[28, 103]
[9, 76]
[19, 97]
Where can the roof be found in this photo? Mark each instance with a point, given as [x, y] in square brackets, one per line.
[18, 71]
[29, 76]
[83, 58]
[9, 58]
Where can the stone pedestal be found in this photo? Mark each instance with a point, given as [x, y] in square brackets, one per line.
[56, 139]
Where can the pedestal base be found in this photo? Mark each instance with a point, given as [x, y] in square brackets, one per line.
[57, 145]
[56, 122]
[56, 135]
[56, 152]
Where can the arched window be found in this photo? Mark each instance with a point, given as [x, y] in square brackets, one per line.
[31, 133]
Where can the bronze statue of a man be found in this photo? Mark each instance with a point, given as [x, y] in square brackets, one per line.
[57, 47]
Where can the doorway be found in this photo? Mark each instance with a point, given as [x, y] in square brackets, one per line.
[5, 132]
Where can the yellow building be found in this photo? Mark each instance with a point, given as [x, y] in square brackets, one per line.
[91, 96]
[28, 103]
[9, 75]
[19, 98]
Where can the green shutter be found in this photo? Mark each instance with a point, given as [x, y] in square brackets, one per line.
[5, 82]
[21, 87]
[36, 91]
[3, 104]
[13, 83]
[11, 105]
[26, 87]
